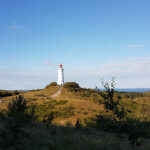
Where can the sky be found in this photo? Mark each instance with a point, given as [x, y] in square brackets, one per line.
[93, 39]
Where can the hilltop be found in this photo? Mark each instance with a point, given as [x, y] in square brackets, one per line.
[72, 103]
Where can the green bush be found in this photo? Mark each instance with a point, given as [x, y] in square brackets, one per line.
[17, 118]
[8, 93]
[119, 120]
[49, 119]
[72, 86]
[51, 84]
[65, 112]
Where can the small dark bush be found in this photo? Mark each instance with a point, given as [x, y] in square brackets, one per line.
[72, 86]
[16, 119]
[61, 102]
[85, 113]
[49, 120]
[78, 124]
[8, 93]
[17, 105]
[51, 84]
[65, 112]
[15, 92]
[68, 124]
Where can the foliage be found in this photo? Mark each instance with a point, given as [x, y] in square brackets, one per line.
[125, 117]
[112, 101]
[72, 86]
[8, 93]
[118, 121]
[41, 137]
[44, 110]
[61, 102]
[49, 120]
[17, 118]
[78, 124]
[64, 112]
[17, 105]
[82, 93]
[68, 124]
[51, 84]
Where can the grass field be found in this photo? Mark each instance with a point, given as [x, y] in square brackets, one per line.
[72, 104]
[82, 104]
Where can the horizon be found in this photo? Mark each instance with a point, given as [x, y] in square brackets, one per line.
[93, 40]
[102, 88]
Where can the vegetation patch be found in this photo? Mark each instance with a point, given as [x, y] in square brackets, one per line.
[51, 84]
[8, 93]
[123, 116]
[64, 112]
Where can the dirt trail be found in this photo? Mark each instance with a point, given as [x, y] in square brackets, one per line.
[57, 93]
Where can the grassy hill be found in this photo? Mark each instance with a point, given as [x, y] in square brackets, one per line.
[75, 103]
[69, 105]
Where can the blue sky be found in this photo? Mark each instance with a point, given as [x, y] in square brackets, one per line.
[93, 39]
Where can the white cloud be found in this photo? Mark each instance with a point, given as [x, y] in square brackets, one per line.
[133, 46]
[128, 69]
[12, 79]
[15, 27]
[129, 72]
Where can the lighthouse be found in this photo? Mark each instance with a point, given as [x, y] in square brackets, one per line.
[60, 75]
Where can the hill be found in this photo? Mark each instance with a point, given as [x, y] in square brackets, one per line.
[71, 104]
[75, 102]
[74, 117]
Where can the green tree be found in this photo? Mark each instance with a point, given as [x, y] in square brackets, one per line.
[17, 118]
[112, 103]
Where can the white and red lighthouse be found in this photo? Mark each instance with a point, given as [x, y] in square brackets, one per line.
[60, 75]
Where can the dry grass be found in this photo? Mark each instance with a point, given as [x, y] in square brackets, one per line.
[73, 106]
[83, 108]
[43, 97]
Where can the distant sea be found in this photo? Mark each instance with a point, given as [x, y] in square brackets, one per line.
[131, 89]
[117, 89]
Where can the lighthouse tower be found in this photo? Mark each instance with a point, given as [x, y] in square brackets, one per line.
[60, 75]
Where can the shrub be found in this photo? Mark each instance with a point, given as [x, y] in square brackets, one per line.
[51, 84]
[49, 120]
[112, 101]
[8, 93]
[78, 124]
[65, 112]
[61, 102]
[106, 122]
[72, 86]
[15, 92]
[85, 113]
[17, 117]
[18, 110]
[18, 105]
[2, 116]
[120, 122]
[42, 112]
[68, 124]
